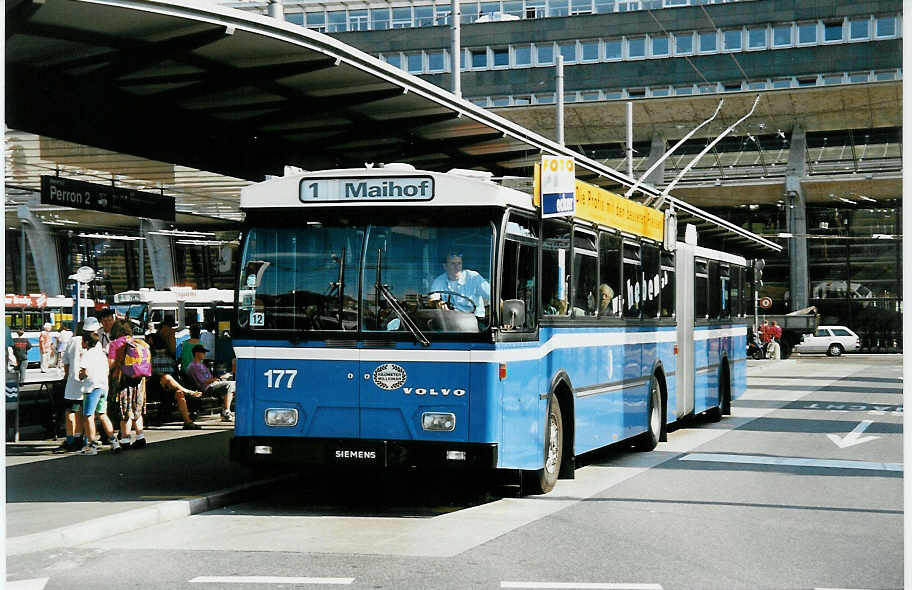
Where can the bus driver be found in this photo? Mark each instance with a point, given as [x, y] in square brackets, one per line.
[468, 283]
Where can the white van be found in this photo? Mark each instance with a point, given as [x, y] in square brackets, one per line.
[833, 340]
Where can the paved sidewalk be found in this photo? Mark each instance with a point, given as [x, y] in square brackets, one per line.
[63, 500]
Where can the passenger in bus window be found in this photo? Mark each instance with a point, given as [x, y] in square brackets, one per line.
[468, 285]
[606, 295]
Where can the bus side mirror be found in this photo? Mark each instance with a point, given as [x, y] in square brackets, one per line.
[514, 314]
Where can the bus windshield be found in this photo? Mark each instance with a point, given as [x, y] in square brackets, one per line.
[365, 277]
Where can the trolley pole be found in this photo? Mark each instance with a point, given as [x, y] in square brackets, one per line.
[455, 49]
[560, 98]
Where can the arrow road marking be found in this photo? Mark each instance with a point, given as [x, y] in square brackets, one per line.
[853, 438]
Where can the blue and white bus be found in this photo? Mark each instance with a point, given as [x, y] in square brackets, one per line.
[356, 347]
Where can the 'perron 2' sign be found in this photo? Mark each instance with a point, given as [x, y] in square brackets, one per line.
[109, 199]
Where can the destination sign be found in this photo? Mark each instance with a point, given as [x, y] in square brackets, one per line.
[389, 188]
[109, 199]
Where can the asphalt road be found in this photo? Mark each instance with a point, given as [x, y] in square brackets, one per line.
[800, 488]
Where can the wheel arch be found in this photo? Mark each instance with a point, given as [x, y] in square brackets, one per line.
[561, 391]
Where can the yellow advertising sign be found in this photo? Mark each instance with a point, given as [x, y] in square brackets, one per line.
[601, 206]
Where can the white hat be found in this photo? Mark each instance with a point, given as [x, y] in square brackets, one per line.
[90, 324]
[47, 326]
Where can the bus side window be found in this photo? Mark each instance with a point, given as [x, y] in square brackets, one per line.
[700, 277]
[633, 284]
[667, 285]
[715, 290]
[585, 274]
[555, 279]
[650, 281]
[610, 293]
[519, 280]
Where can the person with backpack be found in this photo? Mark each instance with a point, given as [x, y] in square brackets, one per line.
[129, 383]
[93, 375]
[21, 346]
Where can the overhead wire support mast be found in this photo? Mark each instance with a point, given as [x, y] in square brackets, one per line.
[665, 156]
[696, 159]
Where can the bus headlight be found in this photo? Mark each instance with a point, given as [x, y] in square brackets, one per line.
[281, 417]
[438, 421]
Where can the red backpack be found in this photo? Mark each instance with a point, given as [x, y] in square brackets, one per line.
[137, 359]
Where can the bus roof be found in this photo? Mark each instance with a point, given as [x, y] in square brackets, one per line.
[166, 297]
[394, 185]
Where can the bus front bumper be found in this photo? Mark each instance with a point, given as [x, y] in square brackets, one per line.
[280, 450]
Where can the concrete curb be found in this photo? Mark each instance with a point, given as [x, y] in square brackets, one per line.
[136, 519]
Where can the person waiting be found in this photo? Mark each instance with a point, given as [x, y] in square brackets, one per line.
[164, 370]
[209, 385]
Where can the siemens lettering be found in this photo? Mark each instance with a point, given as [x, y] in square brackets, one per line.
[388, 189]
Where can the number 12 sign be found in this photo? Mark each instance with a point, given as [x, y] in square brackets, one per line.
[558, 186]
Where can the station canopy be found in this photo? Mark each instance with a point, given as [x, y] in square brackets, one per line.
[239, 94]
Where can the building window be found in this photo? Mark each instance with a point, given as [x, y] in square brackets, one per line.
[488, 9]
[613, 49]
[614, 94]
[522, 55]
[547, 98]
[402, 17]
[442, 15]
[558, 8]
[887, 75]
[414, 62]
[479, 58]
[590, 50]
[580, 6]
[535, 9]
[424, 16]
[482, 102]
[807, 33]
[684, 90]
[604, 6]
[589, 96]
[501, 101]
[807, 81]
[636, 93]
[570, 97]
[782, 83]
[708, 41]
[731, 87]
[544, 54]
[337, 21]
[859, 76]
[757, 85]
[831, 79]
[636, 47]
[522, 100]
[708, 88]
[756, 38]
[732, 40]
[317, 21]
[357, 20]
[660, 91]
[436, 60]
[859, 28]
[380, 18]
[393, 59]
[832, 31]
[501, 57]
[684, 43]
[659, 46]
[782, 35]
[514, 8]
[568, 50]
[297, 18]
[885, 26]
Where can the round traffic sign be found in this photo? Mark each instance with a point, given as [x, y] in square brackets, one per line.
[765, 302]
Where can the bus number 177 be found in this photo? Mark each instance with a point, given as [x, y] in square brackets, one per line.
[274, 377]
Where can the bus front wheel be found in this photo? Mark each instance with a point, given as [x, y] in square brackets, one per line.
[543, 480]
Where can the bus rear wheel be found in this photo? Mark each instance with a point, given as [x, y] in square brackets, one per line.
[650, 439]
[543, 480]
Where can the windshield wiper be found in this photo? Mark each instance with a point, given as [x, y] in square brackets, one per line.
[339, 286]
[403, 315]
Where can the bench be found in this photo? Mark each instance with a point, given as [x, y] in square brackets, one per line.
[18, 397]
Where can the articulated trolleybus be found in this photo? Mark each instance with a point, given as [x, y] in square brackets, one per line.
[395, 317]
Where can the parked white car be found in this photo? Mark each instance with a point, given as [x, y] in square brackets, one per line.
[833, 340]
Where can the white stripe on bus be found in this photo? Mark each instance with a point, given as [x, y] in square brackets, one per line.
[556, 342]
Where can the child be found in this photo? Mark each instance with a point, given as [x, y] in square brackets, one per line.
[93, 373]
